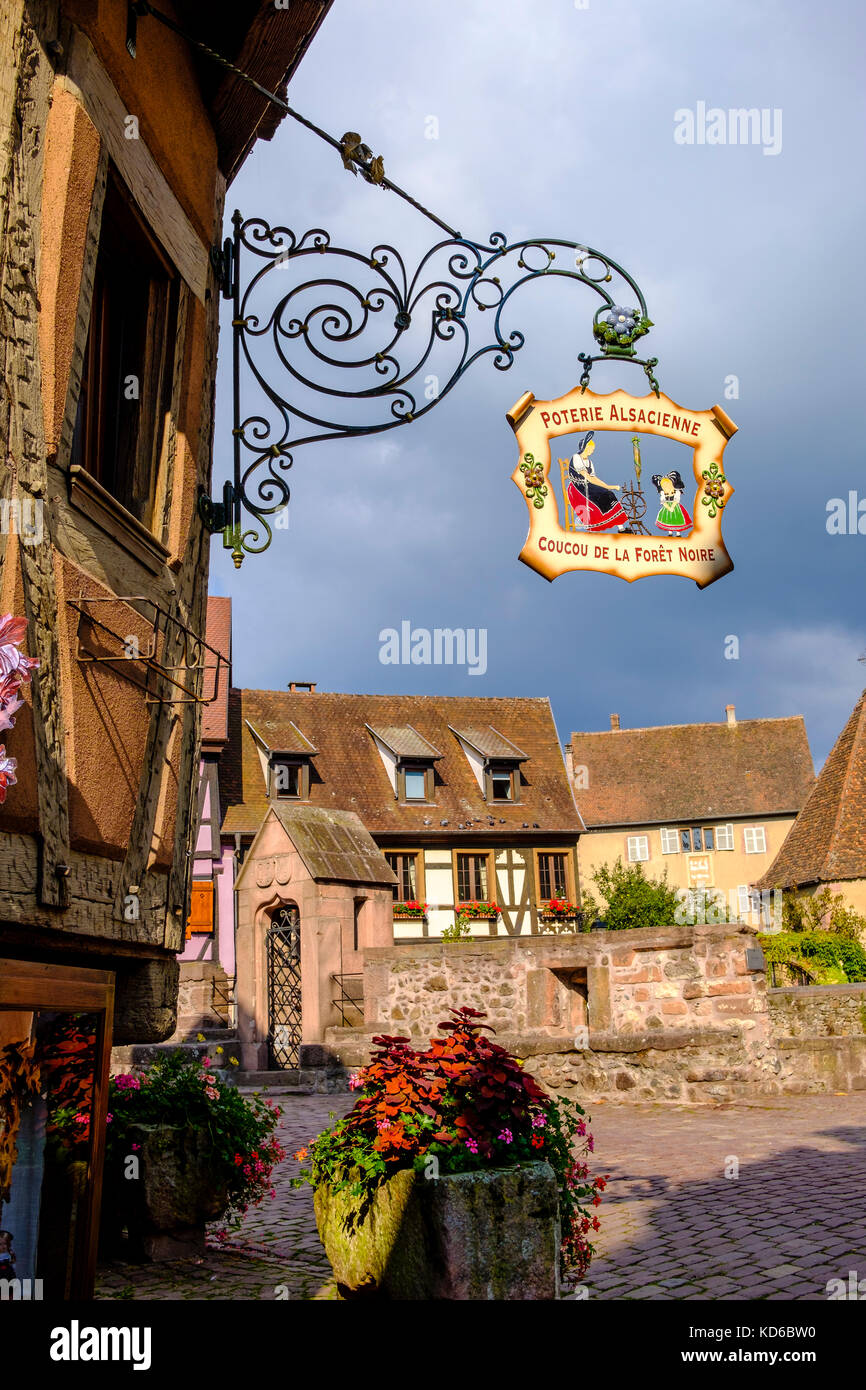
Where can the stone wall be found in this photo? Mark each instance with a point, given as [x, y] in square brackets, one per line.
[670, 1014]
[819, 1034]
[818, 1011]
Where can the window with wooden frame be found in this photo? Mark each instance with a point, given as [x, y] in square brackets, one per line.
[553, 875]
[502, 781]
[200, 907]
[289, 778]
[415, 782]
[408, 867]
[126, 378]
[474, 875]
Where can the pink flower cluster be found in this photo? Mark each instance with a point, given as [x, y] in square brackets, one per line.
[15, 669]
[211, 1089]
[127, 1081]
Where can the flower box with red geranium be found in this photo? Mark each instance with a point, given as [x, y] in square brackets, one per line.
[559, 912]
[478, 911]
[412, 1185]
[410, 911]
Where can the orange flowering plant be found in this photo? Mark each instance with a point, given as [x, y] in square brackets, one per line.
[467, 1102]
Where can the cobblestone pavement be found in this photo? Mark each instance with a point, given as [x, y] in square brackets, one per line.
[673, 1225]
[276, 1254]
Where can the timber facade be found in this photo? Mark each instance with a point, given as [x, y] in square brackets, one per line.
[115, 152]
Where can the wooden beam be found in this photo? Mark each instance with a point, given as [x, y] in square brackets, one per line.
[22, 426]
[87, 79]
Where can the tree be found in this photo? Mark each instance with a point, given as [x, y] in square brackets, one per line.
[822, 911]
[632, 899]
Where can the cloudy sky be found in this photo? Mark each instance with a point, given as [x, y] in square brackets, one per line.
[557, 119]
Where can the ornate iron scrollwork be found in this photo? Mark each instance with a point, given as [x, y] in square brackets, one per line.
[310, 312]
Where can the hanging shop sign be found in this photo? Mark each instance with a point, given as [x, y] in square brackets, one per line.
[665, 518]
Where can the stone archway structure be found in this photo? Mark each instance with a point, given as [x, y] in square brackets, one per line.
[327, 865]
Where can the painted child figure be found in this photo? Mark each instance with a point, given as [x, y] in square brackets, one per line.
[673, 518]
[7, 1254]
[594, 503]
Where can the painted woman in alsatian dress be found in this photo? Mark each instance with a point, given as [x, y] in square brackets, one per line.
[594, 503]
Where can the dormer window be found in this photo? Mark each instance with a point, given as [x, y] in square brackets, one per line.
[502, 782]
[495, 761]
[417, 783]
[409, 760]
[286, 761]
[290, 778]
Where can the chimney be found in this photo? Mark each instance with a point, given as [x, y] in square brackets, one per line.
[295, 687]
[614, 722]
[730, 711]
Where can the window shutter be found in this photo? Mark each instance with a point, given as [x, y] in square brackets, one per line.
[201, 908]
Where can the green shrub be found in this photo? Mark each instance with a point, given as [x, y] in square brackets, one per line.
[822, 954]
[823, 911]
[632, 899]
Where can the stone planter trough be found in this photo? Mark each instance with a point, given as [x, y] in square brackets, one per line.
[166, 1208]
[487, 1235]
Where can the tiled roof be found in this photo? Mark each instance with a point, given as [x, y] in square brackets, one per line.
[218, 634]
[348, 772]
[827, 842]
[293, 740]
[689, 772]
[333, 845]
[489, 742]
[405, 742]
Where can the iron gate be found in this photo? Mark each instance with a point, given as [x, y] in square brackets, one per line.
[284, 987]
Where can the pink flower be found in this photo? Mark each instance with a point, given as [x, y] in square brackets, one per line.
[135, 1147]
[472, 1146]
[109, 1117]
[12, 633]
[9, 702]
[7, 772]
[82, 1119]
[206, 1062]
[127, 1082]
[506, 1136]
[539, 1121]
[355, 1082]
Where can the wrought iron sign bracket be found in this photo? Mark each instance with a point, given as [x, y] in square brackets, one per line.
[298, 334]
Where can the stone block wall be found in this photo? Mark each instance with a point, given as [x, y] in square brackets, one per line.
[670, 1014]
[818, 1011]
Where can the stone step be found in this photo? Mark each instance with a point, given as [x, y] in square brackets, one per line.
[143, 1054]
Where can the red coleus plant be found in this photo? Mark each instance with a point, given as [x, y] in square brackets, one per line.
[467, 1103]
